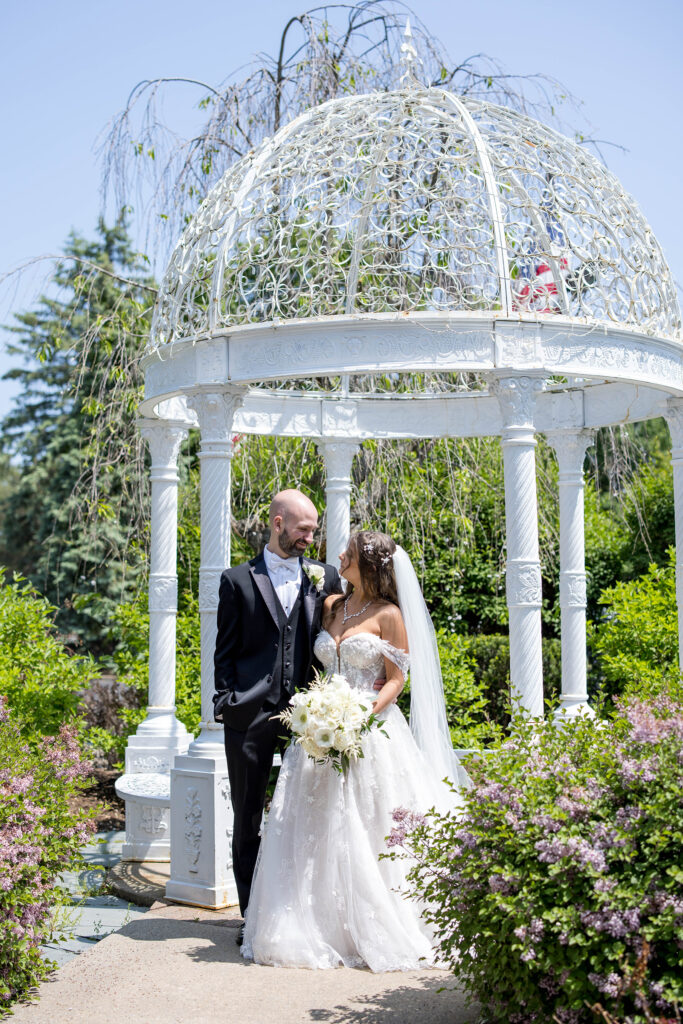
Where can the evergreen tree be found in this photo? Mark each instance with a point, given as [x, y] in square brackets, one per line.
[70, 519]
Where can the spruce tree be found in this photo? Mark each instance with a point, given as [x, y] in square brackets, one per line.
[70, 520]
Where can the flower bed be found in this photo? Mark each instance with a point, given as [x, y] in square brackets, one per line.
[40, 837]
[558, 893]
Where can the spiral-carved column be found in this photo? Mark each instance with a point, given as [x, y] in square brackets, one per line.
[517, 398]
[160, 736]
[675, 420]
[201, 812]
[570, 447]
[338, 455]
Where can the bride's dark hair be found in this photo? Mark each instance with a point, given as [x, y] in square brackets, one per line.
[374, 553]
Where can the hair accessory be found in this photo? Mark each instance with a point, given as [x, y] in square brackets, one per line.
[370, 549]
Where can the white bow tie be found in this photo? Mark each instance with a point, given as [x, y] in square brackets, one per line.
[284, 566]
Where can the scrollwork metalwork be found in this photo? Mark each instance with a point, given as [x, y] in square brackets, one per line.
[389, 202]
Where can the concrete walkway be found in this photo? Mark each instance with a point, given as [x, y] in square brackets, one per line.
[92, 914]
[180, 965]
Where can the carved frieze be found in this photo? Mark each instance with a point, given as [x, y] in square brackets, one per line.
[153, 820]
[209, 582]
[151, 763]
[596, 354]
[523, 583]
[572, 589]
[163, 593]
[193, 828]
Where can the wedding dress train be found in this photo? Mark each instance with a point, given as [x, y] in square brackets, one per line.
[321, 897]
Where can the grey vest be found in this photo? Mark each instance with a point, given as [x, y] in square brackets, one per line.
[293, 657]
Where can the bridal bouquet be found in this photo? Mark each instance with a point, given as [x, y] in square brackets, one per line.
[328, 720]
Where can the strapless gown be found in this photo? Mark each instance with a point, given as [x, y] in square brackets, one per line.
[321, 897]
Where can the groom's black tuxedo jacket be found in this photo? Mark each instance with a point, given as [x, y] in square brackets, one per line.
[260, 654]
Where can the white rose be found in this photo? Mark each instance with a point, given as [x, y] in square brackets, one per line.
[316, 575]
[337, 682]
[312, 748]
[344, 741]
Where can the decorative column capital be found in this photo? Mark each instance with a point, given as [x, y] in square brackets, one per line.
[570, 447]
[517, 399]
[216, 412]
[674, 419]
[164, 439]
[338, 454]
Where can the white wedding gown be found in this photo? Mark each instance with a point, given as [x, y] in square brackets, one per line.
[321, 897]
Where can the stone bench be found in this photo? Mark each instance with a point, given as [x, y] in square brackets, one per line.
[148, 810]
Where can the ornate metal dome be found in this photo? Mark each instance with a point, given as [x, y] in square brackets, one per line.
[409, 202]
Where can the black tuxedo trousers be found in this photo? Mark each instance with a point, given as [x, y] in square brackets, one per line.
[261, 657]
[250, 752]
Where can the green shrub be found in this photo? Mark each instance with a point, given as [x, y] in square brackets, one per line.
[558, 887]
[130, 633]
[636, 645]
[41, 680]
[40, 837]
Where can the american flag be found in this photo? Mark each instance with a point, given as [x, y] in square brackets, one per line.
[536, 285]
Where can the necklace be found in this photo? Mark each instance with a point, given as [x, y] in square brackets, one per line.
[354, 615]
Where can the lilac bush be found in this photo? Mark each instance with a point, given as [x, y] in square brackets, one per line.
[40, 837]
[557, 893]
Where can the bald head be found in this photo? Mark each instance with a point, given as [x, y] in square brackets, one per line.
[293, 519]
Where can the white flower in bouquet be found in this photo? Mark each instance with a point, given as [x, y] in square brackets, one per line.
[312, 748]
[329, 720]
[324, 736]
[300, 717]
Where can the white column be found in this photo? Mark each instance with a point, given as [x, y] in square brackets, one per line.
[570, 447]
[160, 736]
[675, 420]
[201, 814]
[517, 398]
[338, 455]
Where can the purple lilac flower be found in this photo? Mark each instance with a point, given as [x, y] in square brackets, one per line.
[609, 985]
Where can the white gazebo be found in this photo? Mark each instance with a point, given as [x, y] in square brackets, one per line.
[401, 264]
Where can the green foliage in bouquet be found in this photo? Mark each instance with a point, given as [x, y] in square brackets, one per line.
[558, 888]
[40, 838]
[41, 680]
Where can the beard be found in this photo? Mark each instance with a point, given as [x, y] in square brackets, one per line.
[290, 545]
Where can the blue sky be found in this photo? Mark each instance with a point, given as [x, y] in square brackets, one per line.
[68, 67]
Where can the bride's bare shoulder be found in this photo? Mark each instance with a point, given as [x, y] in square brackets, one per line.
[328, 607]
[390, 619]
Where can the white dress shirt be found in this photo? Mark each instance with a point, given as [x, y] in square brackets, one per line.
[285, 575]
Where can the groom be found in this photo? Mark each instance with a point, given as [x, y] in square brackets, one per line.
[269, 614]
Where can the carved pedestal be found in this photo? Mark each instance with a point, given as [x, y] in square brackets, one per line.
[201, 812]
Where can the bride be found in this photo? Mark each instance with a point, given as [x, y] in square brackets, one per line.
[321, 896]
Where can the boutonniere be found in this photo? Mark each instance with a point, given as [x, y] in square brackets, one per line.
[316, 575]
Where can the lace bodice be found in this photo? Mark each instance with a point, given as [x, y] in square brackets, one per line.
[360, 657]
